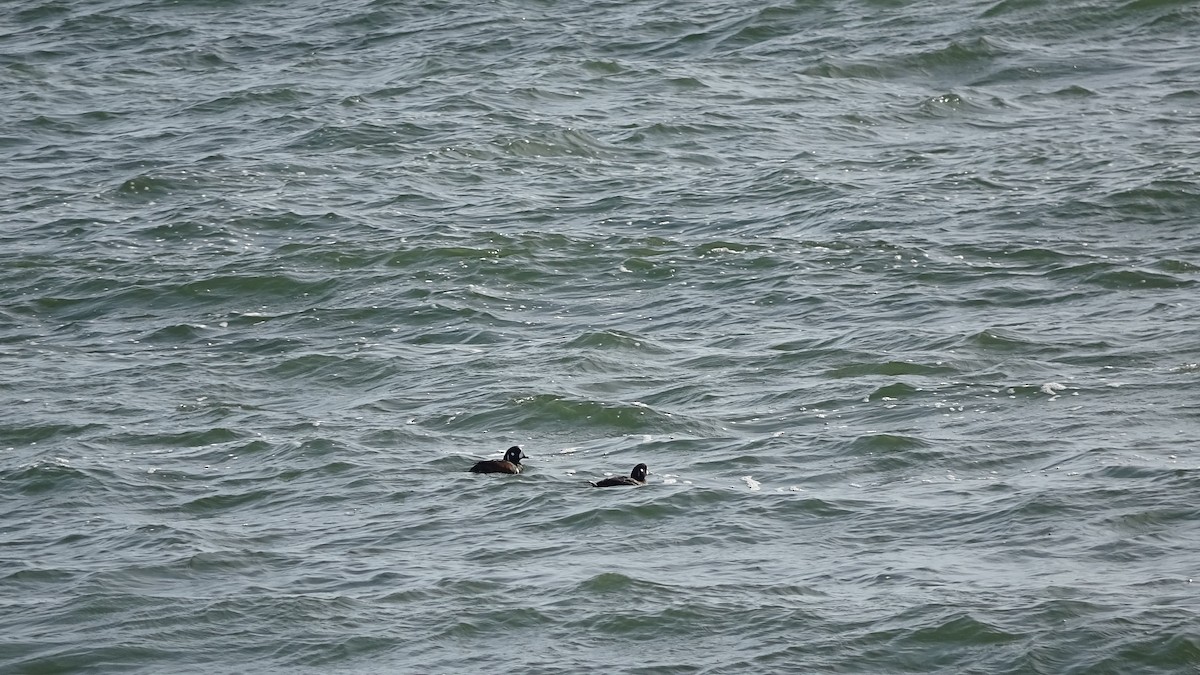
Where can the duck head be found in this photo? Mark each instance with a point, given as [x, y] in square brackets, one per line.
[639, 473]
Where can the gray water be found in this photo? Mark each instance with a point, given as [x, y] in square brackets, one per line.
[897, 300]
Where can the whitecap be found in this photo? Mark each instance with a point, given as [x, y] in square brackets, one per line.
[1052, 388]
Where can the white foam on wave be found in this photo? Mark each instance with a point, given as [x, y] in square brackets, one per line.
[1052, 388]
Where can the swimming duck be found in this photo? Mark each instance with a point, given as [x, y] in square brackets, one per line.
[635, 477]
[510, 464]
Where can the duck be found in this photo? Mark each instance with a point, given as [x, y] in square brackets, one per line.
[635, 477]
[510, 464]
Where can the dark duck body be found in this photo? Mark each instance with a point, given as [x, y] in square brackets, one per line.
[635, 477]
[510, 464]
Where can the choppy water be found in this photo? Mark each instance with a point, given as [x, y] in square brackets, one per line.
[897, 300]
